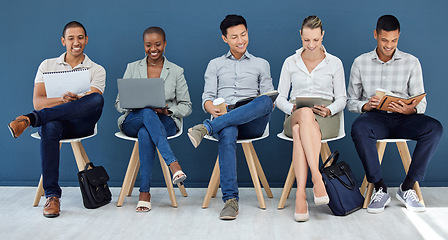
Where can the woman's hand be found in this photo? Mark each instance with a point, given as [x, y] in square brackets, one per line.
[321, 110]
[163, 111]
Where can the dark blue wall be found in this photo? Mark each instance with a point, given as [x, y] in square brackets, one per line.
[30, 33]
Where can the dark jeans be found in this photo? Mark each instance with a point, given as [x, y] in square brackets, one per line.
[374, 125]
[247, 121]
[70, 120]
[152, 129]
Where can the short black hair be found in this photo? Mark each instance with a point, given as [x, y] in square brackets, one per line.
[157, 30]
[230, 21]
[387, 23]
[73, 24]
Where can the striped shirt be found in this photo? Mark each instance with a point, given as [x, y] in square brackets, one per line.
[402, 75]
[235, 79]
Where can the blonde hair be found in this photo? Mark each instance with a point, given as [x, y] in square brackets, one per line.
[312, 22]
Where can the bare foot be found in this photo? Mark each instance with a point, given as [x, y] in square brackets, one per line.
[144, 196]
[174, 167]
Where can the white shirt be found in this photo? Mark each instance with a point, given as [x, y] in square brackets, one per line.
[97, 73]
[325, 81]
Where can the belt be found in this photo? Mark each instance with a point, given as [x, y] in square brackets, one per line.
[231, 107]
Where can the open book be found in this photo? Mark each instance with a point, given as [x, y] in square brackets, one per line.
[273, 95]
[390, 97]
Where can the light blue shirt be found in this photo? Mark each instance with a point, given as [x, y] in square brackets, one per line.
[235, 79]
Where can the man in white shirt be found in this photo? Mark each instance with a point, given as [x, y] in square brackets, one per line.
[68, 116]
[388, 68]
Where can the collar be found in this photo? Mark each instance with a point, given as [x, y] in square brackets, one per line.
[397, 55]
[300, 50]
[143, 62]
[87, 63]
[245, 55]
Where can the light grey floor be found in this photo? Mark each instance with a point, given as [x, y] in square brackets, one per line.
[19, 220]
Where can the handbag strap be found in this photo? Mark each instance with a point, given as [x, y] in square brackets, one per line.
[89, 164]
[352, 183]
[334, 156]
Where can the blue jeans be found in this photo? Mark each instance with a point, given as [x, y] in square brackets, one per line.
[152, 129]
[247, 121]
[70, 120]
[373, 125]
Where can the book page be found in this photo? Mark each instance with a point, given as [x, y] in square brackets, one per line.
[76, 81]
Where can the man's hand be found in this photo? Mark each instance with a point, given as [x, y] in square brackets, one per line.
[371, 104]
[70, 97]
[210, 108]
[402, 107]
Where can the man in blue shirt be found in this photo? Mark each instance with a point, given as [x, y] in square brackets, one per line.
[234, 76]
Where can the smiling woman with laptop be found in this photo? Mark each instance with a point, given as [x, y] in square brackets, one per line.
[154, 98]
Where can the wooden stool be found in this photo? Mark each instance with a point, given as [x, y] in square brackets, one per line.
[405, 158]
[80, 157]
[255, 169]
[324, 153]
[134, 165]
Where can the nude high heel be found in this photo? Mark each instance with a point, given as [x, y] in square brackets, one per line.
[302, 217]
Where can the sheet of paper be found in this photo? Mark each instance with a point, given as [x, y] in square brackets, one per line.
[75, 81]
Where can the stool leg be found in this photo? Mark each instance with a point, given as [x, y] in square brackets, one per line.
[39, 193]
[182, 190]
[80, 155]
[380, 147]
[406, 159]
[254, 174]
[212, 185]
[128, 177]
[216, 180]
[325, 152]
[363, 186]
[288, 186]
[368, 195]
[134, 176]
[264, 181]
[167, 177]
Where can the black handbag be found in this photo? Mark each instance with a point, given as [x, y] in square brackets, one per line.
[93, 184]
[341, 187]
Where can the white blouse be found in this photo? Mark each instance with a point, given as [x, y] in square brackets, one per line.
[326, 81]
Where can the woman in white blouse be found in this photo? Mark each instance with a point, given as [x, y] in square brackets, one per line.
[312, 73]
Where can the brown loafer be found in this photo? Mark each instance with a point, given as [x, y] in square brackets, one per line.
[19, 125]
[52, 207]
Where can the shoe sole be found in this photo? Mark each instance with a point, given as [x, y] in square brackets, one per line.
[193, 141]
[11, 131]
[51, 215]
[412, 209]
[228, 217]
[180, 179]
[378, 210]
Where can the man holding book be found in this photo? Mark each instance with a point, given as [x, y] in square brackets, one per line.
[234, 76]
[69, 116]
[400, 73]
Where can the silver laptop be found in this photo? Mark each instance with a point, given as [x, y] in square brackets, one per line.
[141, 93]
